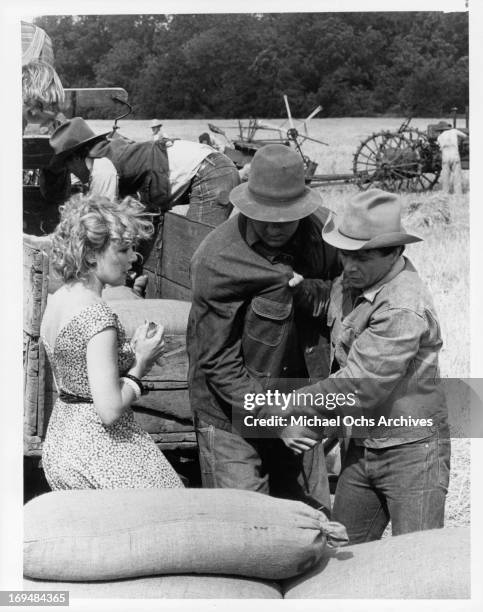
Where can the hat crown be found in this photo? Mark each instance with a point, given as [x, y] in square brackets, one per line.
[70, 134]
[370, 214]
[275, 191]
[276, 173]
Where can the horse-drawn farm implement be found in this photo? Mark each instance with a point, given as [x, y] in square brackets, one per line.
[406, 159]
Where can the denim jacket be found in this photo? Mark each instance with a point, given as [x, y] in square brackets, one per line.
[244, 316]
[385, 347]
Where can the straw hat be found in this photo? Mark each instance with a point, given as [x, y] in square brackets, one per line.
[155, 123]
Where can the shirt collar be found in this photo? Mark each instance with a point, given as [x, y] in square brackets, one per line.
[370, 293]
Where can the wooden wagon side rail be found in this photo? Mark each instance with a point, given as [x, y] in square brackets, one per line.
[35, 285]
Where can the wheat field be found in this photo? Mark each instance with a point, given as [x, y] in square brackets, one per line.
[442, 259]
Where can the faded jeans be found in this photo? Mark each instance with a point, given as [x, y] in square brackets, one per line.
[405, 484]
[265, 465]
[210, 189]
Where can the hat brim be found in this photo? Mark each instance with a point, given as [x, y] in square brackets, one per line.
[58, 159]
[274, 211]
[332, 235]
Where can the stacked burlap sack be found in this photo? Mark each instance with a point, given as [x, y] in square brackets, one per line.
[224, 543]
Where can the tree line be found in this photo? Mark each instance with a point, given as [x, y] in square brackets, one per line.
[240, 65]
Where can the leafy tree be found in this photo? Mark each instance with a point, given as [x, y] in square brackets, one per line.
[238, 65]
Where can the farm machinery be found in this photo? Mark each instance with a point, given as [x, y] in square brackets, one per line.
[407, 159]
[244, 146]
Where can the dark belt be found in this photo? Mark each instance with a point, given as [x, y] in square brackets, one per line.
[70, 398]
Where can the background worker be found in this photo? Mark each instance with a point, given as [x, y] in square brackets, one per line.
[247, 333]
[450, 159]
[156, 130]
[213, 141]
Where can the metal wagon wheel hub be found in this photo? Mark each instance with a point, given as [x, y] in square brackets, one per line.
[396, 161]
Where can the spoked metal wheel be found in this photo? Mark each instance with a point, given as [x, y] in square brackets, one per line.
[397, 161]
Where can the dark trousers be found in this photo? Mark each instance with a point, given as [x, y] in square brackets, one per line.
[265, 465]
[405, 484]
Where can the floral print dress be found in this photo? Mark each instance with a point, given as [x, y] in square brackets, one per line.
[79, 451]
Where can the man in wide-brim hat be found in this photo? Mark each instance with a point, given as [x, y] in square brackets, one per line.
[112, 166]
[385, 341]
[248, 327]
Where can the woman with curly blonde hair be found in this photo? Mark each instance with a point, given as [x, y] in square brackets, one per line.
[92, 439]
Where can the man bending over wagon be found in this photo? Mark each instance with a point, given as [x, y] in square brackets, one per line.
[161, 176]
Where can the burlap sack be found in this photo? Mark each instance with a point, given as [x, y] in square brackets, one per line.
[107, 535]
[431, 564]
[189, 586]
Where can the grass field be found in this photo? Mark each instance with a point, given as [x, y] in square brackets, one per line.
[442, 259]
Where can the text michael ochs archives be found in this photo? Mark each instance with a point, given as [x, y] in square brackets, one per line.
[330, 401]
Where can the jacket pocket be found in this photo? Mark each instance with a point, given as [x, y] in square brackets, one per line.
[267, 320]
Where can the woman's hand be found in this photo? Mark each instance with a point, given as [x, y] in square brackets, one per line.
[148, 344]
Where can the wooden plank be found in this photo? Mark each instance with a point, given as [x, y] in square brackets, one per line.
[32, 446]
[46, 400]
[173, 291]
[94, 102]
[35, 286]
[156, 423]
[31, 384]
[181, 238]
[170, 256]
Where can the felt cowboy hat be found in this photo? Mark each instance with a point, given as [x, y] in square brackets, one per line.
[276, 190]
[71, 135]
[371, 220]
[155, 123]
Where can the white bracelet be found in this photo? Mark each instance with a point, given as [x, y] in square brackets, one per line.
[130, 383]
